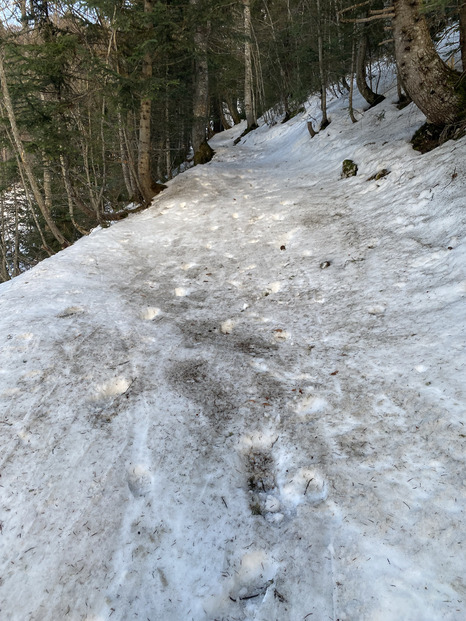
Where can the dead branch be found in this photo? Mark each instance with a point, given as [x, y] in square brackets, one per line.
[362, 20]
[385, 13]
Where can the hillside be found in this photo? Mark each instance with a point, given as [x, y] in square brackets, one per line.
[247, 402]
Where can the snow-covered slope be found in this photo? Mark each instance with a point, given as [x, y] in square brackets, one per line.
[247, 402]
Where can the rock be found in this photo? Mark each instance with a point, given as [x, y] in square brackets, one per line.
[379, 175]
[349, 169]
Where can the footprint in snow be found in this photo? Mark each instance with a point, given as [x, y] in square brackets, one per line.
[304, 486]
[70, 311]
[139, 480]
[114, 388]
[149, 313]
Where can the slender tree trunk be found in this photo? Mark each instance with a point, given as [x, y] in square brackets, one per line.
[144, 158]
[16, 244]
[322, 73]
[45, 246]
[462, 20]
[223, 120]
[124, 158]
[4, 272]
[130, 151]
[427, 79]
[361, 79]
[69, 195]
[248, 73]
[233, 110]
[351, 90]
[25, 157]
[47, 183]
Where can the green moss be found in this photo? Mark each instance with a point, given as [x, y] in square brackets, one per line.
[349, 169]
[204, 154]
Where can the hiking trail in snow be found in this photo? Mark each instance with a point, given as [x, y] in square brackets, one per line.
[247, 402]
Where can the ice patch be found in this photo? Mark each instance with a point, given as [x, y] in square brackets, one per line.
[150, 313]
[311, 405]
[377, 309]
[26, 336]
[274, 287]
[113, 388]
[180, 292]
[227, 326]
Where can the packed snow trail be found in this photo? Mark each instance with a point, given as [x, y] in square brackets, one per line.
[246, 402]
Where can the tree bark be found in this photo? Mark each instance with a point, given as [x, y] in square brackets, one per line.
[361, 80]
[233, 109]
[249, 107]
[429, 82]
[351, 90]
[221, 111]
[462, 20]
[201, 83]
[25, 157]
[322, 72]
[69, 195]
[144, 151]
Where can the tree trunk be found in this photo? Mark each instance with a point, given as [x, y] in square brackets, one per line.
[248, 79]
[144, 151]
[428, 80]
[25, 157]
[462, 19]
[322, 72]
[69, 195]
[361, 80]
[351, 90]
[223, 120]
[233, 109]
[201, 83]
[124, 158]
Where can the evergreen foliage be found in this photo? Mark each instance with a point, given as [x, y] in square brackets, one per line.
[78, 74]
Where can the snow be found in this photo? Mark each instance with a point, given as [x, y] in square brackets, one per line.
[247, 402]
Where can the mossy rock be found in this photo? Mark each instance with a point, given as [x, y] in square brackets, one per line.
[430, 136]
[379, 175]
[204, 154]
[349, 169]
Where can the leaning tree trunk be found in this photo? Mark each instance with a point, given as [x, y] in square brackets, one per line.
[361, 81]
[429, 82]
[25, 159]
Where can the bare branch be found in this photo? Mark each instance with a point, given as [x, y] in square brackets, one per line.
[385, 13]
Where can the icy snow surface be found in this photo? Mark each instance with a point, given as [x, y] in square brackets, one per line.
[246, 402]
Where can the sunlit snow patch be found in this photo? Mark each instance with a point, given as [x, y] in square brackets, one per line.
[310, 405]
[303, 486]
[139, 480]
[227, 326]
[113, 388]
[150, 312]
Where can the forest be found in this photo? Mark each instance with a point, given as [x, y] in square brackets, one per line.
[103, 101]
